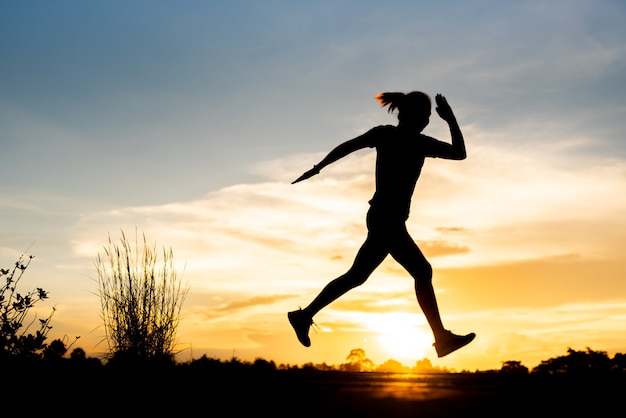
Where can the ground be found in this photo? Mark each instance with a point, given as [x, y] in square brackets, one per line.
[302, 393]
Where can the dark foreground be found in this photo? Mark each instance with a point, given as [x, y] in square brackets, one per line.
[148, 392]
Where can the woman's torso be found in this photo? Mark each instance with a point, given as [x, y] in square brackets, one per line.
[400, 157]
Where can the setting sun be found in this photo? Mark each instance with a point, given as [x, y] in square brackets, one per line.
[401, 336]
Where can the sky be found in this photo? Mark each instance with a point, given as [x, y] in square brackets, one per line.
[187, 122]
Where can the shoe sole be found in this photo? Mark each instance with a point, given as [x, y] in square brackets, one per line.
[453, 348]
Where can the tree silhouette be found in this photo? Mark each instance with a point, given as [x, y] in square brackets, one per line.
[514, 367]
[618, 363]
[576, 362]
[426, 366]
[392, 366]
[357, 361]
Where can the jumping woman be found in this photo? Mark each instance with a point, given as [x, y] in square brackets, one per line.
[400, 154]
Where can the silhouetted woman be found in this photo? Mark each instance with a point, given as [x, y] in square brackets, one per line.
[400, 154]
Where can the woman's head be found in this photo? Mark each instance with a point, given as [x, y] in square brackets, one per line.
[414, 108]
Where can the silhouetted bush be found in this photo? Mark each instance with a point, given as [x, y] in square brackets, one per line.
[140, 302]
[16, 342]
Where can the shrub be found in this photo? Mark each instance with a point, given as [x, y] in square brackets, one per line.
[140, 302]
[15, 338]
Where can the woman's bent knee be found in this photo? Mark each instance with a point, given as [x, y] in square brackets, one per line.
[423, 274]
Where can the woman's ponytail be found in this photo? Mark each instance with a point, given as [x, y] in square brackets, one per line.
[414, 101]
[393, 100]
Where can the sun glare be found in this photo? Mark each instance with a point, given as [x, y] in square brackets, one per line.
[402, 338]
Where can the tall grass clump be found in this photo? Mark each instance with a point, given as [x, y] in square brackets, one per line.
[141, 297]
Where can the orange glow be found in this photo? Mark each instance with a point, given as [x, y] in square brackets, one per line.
[401, 339]
[531, 271]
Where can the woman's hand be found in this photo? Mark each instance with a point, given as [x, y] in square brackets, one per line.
[315, 170]
[443, 108]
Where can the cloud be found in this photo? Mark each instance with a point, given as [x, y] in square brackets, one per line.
[233, 306]
[500, 205]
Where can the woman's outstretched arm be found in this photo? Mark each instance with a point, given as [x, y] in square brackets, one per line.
[337, 153]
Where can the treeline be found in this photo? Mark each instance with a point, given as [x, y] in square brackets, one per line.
[579, 363]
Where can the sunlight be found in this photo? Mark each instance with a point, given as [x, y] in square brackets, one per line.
[401, 336]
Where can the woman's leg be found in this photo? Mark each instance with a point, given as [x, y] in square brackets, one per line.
[408, 255]
[371, 254]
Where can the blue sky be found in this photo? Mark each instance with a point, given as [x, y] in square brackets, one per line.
[111, 109]
[191, 95]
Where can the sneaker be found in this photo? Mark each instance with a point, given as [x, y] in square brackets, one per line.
[301, 324]
[451, 342]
